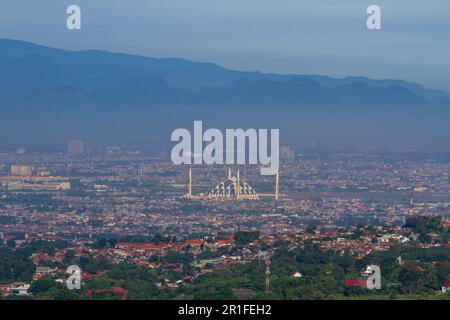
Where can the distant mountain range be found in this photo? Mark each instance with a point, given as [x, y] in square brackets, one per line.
[51, 94]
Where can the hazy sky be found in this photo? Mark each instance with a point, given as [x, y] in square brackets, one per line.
[285, 36]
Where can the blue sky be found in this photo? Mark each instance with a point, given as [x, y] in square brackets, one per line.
[285, 36]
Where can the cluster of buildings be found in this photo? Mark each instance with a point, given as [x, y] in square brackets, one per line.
[80, 197]
[223, 253]
[125, 194]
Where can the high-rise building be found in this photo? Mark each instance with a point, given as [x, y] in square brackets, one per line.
[287, 153]
[18, 170]
[75, 147]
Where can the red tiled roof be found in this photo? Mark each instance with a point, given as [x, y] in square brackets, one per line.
[137, 245]
[223, 241]
[356, 283]
[194, 241]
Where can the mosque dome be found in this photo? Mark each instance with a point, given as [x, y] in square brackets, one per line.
[229, 189]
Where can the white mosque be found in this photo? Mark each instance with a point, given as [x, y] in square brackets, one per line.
[232, 188]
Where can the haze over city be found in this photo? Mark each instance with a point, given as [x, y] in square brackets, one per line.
[134, 153]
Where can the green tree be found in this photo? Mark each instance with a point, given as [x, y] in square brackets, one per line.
[42, 285]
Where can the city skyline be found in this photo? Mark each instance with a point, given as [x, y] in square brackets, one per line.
[243, 151]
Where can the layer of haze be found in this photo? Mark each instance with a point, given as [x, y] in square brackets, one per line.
[291, 36]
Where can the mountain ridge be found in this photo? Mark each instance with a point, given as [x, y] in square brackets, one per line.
[53, 94]
[161, 66]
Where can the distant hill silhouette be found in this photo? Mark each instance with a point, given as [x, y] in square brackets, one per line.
[51, 94]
